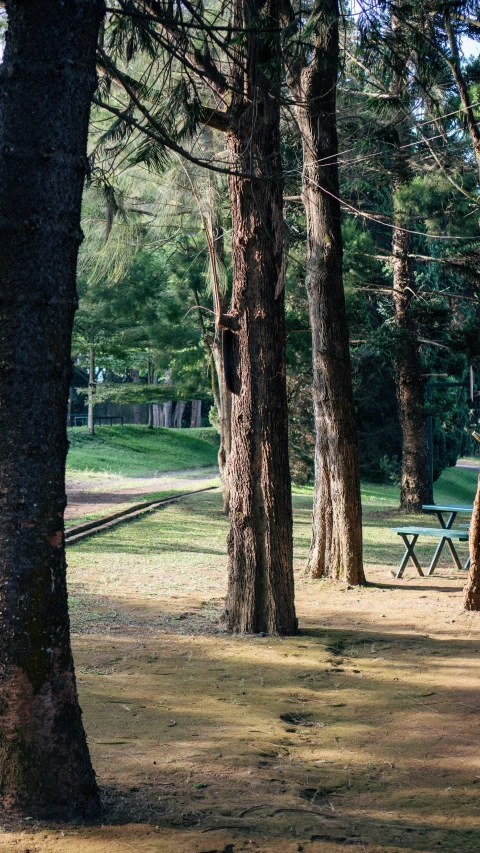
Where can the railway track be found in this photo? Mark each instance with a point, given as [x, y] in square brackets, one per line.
[99, 525]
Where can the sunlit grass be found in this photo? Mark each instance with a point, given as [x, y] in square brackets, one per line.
[135, 451]
[454, 486]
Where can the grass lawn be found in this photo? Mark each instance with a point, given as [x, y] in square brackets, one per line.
[454, 486]
[135, 451]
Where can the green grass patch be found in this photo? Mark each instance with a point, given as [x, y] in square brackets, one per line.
[135, 499]
[454, 486]
[372, 493]
[182, 549]
[135, 451]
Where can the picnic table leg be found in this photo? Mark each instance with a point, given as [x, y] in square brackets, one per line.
[454, 554]
[439, 548]
[409, 555]
[437, 553]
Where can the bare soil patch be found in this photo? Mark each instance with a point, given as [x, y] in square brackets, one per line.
[361, 733]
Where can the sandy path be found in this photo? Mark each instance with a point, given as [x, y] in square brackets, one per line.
[89, 494]
[472, 464]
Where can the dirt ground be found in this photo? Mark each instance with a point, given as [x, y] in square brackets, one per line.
[100, 494]
[361, 733]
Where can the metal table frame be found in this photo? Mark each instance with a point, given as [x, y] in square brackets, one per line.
[415, 533]
[452, 511]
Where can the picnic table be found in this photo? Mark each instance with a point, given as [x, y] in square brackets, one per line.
[445, 534]
[439, 510]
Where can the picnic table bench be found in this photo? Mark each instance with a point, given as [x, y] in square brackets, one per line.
[443, 534]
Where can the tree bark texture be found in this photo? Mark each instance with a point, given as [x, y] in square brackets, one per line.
[91, 393]
[260, 585]
[196, 417]
[167, 413]
[150, 380]
[179, 410]
[47, 80]
[471, 594]
[336, 545]
[415, 488]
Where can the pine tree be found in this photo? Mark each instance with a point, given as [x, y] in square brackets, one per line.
[48, 77]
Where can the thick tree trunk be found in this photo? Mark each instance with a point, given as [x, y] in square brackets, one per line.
[196, 417]
[48, 76]
[336, 547]
[471, 595]
[167, 413]
[260, 585]
[91, 393]
[415, 488]
[179, 410]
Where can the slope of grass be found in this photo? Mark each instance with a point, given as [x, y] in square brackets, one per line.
[454, 486]
[136, 451]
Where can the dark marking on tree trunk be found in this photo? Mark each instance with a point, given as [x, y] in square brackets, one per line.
[227, 354]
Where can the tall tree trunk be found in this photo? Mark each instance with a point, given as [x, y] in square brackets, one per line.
[150, 380]
[137, 410]
[415, 488]
[260, 594]
[91, 393]
[179, 410]
[471, 595]
[196, 417]
[48, 77]
[167, 413]
[336, 546]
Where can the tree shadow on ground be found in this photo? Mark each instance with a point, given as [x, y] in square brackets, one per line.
[343, 737]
